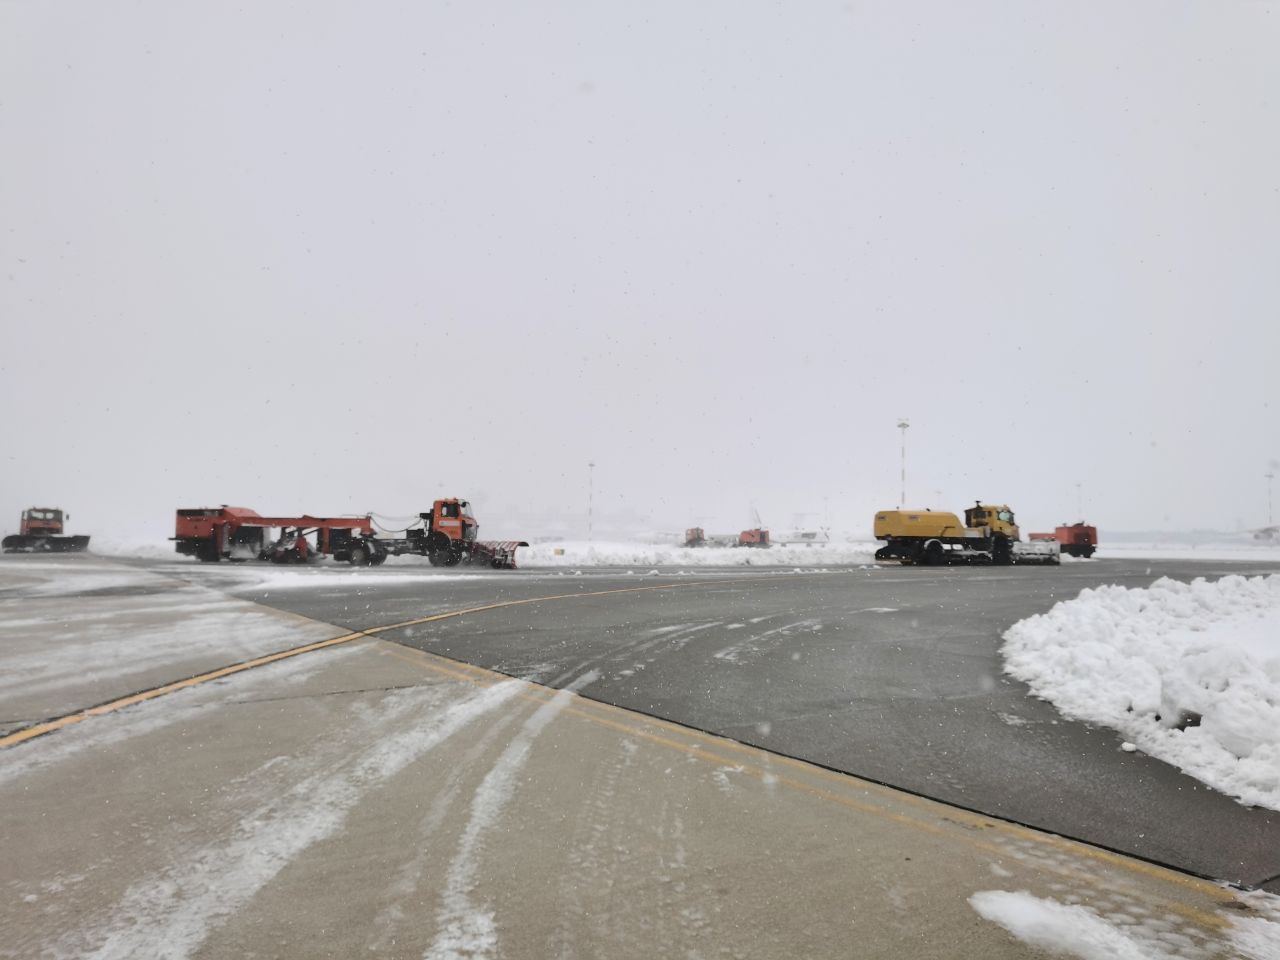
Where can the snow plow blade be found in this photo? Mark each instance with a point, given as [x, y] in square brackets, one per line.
[18, 543]
[1037, 551]
[499, 554]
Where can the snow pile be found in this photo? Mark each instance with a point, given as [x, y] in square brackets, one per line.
[628, 554]
[1076, 931]
[1058, 927]
[1188, 672]
[109, 546]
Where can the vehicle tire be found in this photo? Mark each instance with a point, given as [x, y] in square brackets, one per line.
[882, 553]
[934, 554]
[1087, 552]
[1002, 551]
[452, 558]
[379, 557]
[207, 553]
[358, 555]
[438, 548]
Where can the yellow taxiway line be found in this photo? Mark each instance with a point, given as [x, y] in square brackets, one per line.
[79, 716]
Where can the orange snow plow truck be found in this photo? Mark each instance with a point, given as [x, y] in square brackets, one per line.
[445, 535]
[40, 531]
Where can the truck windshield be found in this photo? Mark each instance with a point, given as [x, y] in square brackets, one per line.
[1006, 516]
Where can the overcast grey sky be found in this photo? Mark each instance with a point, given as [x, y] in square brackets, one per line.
[339, 257]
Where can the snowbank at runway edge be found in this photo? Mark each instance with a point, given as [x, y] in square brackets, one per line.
[1214, 552]
[1190, 673]
[577, 553]
[108, 546]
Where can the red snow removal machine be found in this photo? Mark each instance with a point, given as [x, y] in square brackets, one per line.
[1077, 539]
[445, 535]
[40, 531]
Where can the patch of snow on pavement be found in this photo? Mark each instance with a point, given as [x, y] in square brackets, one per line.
[1257, 937]
[1061, 928]
[75, 633]
[1190, 673]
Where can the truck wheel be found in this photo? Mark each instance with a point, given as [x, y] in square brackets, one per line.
[1087, 552]
[379, 557]
[934, 555]
[207, 553]
[439, 547]
[358, 556]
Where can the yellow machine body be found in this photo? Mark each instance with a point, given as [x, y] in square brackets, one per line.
[917, 523]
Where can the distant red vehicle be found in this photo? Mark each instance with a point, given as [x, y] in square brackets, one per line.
[756, 537]
[1077, 539]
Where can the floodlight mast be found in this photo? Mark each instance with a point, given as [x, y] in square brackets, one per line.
[902, 493]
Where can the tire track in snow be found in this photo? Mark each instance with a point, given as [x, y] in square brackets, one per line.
[675, 637]
[171, 914]
[591, 868]
[759, 643]
[466, 929]
[387, 924]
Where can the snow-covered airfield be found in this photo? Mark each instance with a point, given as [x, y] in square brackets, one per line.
[430, 781]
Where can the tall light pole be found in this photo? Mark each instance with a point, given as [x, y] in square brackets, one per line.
[1079, 504]
[591, 491]
[902, 495]
[1270, 475]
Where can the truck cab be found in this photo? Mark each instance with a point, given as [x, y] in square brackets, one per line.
[992, 519]
[453, 518]
[39, 520]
